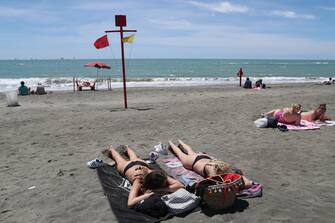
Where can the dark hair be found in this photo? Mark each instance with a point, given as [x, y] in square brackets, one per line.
[22, 82]
[154, 180]
[322, 107]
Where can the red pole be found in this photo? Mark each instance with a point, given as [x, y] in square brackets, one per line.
[123, 71]
[240, 74]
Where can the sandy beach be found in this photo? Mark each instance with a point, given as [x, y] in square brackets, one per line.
[46, 142]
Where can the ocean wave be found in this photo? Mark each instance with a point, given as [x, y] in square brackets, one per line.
[66, 83]
[319, 62]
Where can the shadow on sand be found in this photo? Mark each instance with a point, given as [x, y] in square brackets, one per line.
[239, 206]
[131, 108]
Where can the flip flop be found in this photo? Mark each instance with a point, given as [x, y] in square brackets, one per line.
[282, 128]
[93, 164]
[255, 191]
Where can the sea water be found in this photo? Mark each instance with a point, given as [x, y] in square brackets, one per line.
[58, 74]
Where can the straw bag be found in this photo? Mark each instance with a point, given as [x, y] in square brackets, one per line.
[219, 192]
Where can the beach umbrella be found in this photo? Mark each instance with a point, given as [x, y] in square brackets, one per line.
[98, 65]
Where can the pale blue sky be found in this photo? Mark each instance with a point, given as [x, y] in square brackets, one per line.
[258, 29]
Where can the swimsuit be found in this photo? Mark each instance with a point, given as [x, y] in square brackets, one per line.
[134, 163]
[200, 157]
[280, 116]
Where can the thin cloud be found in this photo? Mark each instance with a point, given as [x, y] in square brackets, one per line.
[239, 44]
[172, 23]
[101, 6]
[222, 7]
[185, 25]
[16, 12]
[31, 15]
[328, 8]
[291, 15]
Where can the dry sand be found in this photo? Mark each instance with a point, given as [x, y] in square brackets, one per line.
[47, 141]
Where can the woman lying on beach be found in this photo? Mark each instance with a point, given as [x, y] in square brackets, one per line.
[316, 114]
[145, 182]
[202, 164]
[287, 115]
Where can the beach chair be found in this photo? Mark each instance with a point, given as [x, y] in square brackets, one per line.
[82, 84]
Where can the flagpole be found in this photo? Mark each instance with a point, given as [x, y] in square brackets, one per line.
[123, 70]
[120, 21]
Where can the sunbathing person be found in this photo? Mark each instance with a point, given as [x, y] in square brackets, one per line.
[287, 115]
[145, 182]
[203, 164]
[329, 82]
[316, 114]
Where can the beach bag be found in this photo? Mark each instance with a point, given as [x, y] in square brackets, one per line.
[266, 122]
[272, 122]
[219, 192]
[181, 201]
[11, 97]
[261, 122]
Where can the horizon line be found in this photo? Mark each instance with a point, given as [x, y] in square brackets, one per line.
[167, 58]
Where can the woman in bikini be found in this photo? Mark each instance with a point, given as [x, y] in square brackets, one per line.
[290, 116]
[145, 182]
[203, 164]
[316, 114]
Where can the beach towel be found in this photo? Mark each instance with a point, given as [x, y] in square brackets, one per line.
[325, 123]
[116, 189]
[173, 166]
[304, 125]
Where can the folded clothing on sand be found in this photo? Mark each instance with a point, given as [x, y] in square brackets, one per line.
[153, 206]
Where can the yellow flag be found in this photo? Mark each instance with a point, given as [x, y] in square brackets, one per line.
[128, 39]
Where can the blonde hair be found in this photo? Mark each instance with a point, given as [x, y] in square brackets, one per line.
[220, 167]
[296, 107]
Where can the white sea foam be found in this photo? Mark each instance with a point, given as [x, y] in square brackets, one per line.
[320, 62]
[66, 83]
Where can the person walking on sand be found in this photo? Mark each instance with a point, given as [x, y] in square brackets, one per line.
[290, 116]
[318, 113]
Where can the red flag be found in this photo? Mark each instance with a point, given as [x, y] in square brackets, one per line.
[102, 42]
